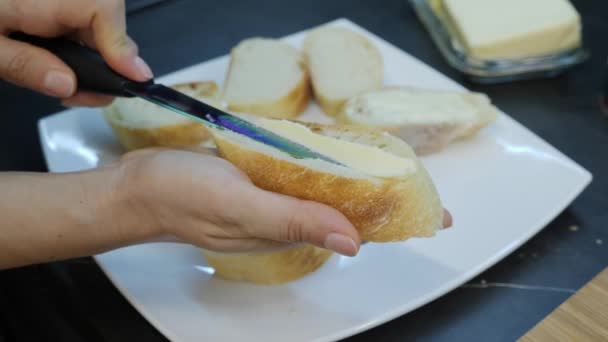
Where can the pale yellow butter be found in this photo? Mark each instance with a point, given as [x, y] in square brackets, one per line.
[415, 106]
[497, 29]
[367, 159]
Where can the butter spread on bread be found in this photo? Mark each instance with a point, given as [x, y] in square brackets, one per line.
[365, 158]
[427, 120]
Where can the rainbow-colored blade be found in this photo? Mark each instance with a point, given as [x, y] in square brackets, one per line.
[211, 116]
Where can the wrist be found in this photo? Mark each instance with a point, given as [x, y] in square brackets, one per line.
[118, 209]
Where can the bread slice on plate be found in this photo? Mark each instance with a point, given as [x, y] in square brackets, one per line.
[382, 188]
[274, 267]
[342, 64]
[428, 120]
[139, 124]
[267, 77]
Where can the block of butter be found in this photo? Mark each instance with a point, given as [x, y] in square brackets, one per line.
[501, 29]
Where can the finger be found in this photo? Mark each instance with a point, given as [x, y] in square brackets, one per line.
[447, 219]
[109, 33]
[34, 68]
[282, 218]
[104, 20]
[245, 245]
[87, 99]
[102, 25]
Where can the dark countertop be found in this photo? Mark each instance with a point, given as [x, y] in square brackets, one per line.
[74, 301]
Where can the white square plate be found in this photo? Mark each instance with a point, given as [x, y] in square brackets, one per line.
[502, 187]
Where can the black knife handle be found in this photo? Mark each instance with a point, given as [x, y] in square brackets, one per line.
[92, 72]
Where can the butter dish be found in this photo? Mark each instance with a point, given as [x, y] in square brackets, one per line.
[481, 69]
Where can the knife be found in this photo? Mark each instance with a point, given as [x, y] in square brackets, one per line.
[93, 74]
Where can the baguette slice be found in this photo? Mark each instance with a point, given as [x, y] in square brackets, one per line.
[275, 267]
[342, 64]
[385, 190]
[427, 120]
[267, 77]
[139, 124]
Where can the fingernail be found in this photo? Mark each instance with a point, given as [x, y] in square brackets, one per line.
[58, 83]
[447, 219]
[341, 244]
[143, 68]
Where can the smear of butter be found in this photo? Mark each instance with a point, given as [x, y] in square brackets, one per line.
[364, 158]
[396, 106]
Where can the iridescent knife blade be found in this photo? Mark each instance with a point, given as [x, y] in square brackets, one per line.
[93, 74]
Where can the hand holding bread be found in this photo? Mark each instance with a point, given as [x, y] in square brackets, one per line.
[206, 201]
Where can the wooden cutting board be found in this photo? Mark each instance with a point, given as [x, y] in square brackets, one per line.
[583, 317]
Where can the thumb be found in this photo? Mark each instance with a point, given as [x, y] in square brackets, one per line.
[108, 33]
[286, 219]
[35, 68]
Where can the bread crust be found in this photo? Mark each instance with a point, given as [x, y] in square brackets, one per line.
[382, 210]
[268, 268]
[180, 135]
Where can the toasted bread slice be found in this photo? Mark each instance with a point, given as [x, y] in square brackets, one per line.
[428, 120]
[275, 267]
[267, 77]
[342, 64]
[383, 189]
[139, 124]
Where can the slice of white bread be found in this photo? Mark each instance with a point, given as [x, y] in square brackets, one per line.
[342, 64]
[267, 77]
[383, 190]
[138, 123]
[275, 267]
[428, 120]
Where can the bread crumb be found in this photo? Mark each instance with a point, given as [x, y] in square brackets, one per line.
[535, 255]
[599, 241]
[522, 255]
[483, 282]
[573, 228]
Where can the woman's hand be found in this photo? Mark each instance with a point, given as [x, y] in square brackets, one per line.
[155, 194]
[204, 200]
[100, 24]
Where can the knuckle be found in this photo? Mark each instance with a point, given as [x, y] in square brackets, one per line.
[16, 68]
[294, 227]
[228, 219]
[121, 41]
